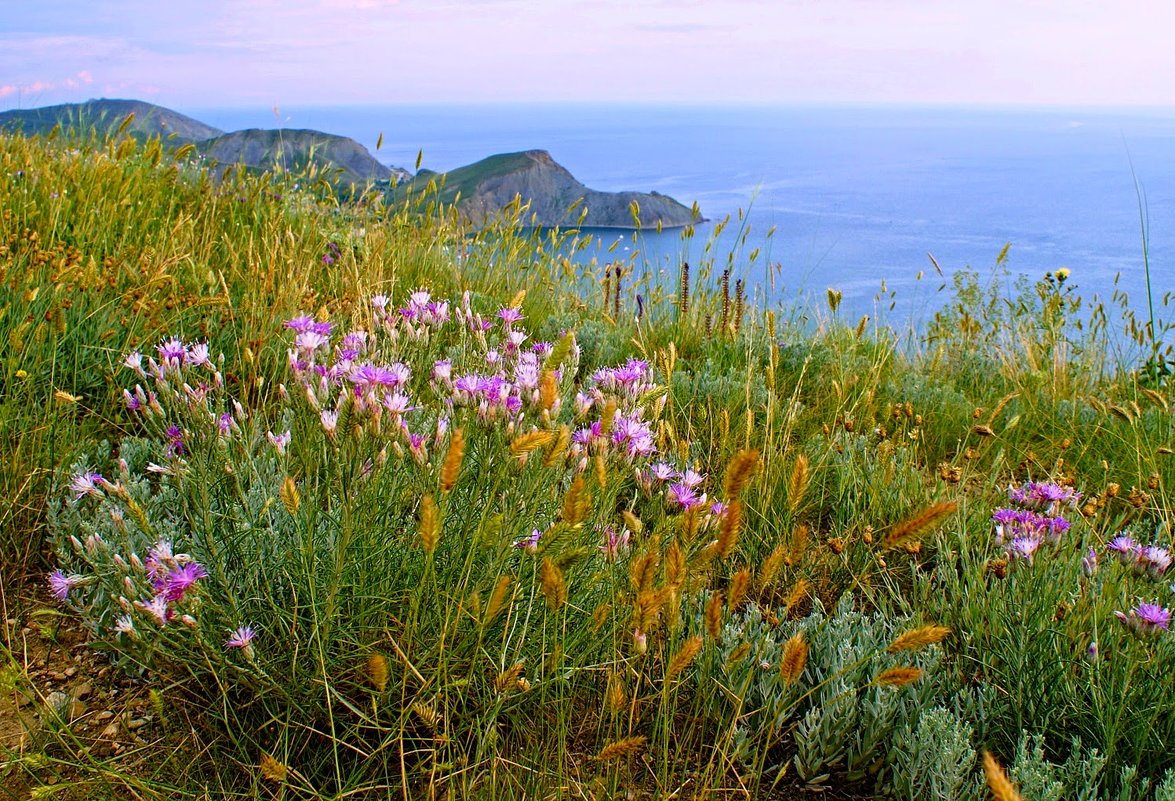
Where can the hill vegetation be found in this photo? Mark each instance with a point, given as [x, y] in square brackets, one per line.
[354, 500]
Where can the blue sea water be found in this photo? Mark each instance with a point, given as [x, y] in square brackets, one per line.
[856, 196]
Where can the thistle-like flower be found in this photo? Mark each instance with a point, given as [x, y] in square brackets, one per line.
[1146, 619]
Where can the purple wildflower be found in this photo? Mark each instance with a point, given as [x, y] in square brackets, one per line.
[61, 584]
[684, 496]
[1153, 560]
[530, 544]
[509, 316]
[172, 353]
[1023, 548]
[87, 483]
[1124, 546]
[279, 441]
[180, 579]
[300, 324]
[1146, 619]
[1089, 562]
[241, 637]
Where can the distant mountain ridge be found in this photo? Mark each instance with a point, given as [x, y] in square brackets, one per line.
[106, 115]
[554, 197]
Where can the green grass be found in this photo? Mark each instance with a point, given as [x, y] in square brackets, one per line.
[402, 653]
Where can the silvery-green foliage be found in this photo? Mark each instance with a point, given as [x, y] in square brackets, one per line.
[1078, 778]
[1166, 789]
[837, 717]
[932, 758]
[1130, 786]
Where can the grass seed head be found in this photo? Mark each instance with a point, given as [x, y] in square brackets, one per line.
[451, 467]
[377, 671]
[899, 676]
[622, 748]
[909, 529]
[553, 585]
[684, 657]
[739, 472]
[430, 524]
[795, 658]
[714, 614]
[1001, 787]
[919, 638]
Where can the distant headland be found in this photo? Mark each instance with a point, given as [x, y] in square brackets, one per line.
[479, 191]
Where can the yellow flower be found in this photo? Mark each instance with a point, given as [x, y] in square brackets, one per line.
[22, 374]
[1063, 274]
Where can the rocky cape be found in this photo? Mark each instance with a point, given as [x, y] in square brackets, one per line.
[552, 195]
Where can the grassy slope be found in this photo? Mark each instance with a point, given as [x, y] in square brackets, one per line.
[103, 252]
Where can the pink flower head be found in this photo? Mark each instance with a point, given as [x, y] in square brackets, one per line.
[530, 544]
[61, 584]
[509, 316]
[172, 353]
[300, 324]
[241, 637]
[180, 579]
[1146, 619]
[280, 441]
[1023, 548]
[87, 483]
[1125, 547]
[684, 496]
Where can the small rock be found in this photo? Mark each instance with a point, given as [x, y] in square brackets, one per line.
[105, 714]
[82, 691]
[58, 702]
[56, 675]
[71, 671]
[136, 723]
[111, 731]
[76, 709]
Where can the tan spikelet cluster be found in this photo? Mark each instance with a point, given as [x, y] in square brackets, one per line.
[916, 639]
[451, 467]
[272, 770]
[674, 565]
[548, 390]
[739, 654]
[799, 545]
[290, 497]
[508, 678]
[377, 671]
[632, 522]
[426, 711]
[731, 526]
[740, 582]
[646, 609]
[558, 447]
[797, 485]
[739, 473]
[553, 585]
[601, 470]
[576, 503]
[898, 676]
[714, 614]
[616, 695]
[1001, 787]
[622, 748]
[910, 528]
[530, 442]
[684, 658]
[498, 599]
[608, 416]
[600, 616]
[798, 593]
[772, 565]
[795, 658]
[516, 301]
[642, 570]
[430, 524]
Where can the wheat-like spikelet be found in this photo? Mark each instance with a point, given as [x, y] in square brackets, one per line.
[377, 671]
[683, 292]
[642, 570]
[998, 782]
[530, 442]
[772, 566]
[911, 527]
[714, 614]
[290, 497]
[674, 565]
[427, 712]
[646, 608]
[899, 676]
[608, 416]
[451, 467]
[797, 485]
[561, 350]
[516, 301]
[553, 585]
[558, 447]
[799, 545]
[548, 390]
[498, 599]
[575, 503]
[740, 582]
[739, 654]
[632, 522]
[728, 531]
[798, 593]
[600, 616]
[616, 696]
[795, 658]
[918, 638]
[601, 470]
[430, 524]
[508, 679]
[683, 658]
[272, 770]
[739, 472]
[621, 748]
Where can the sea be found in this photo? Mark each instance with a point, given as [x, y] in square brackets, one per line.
[881, 204]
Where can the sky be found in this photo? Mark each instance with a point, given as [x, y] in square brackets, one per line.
[262, 53]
